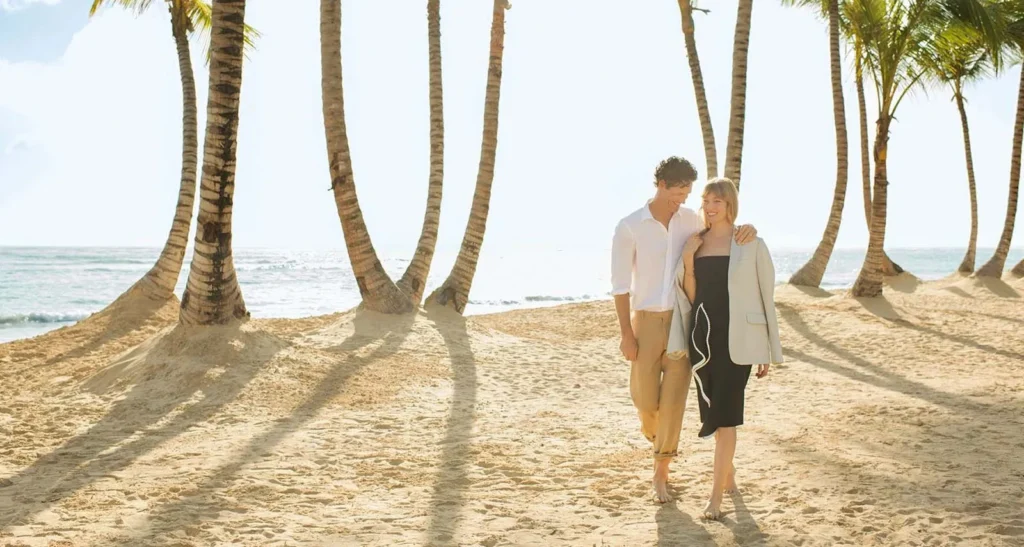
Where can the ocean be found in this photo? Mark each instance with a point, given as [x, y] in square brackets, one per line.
[43, 288]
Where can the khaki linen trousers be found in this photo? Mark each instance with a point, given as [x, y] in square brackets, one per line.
[658, 385]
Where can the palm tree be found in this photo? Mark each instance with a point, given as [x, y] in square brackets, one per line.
[737, 107]
[413, 282]
[212, 295]
[812, 272]
[1015, 40]
[707, 131]
[454, 292]
[957, 56]
[188, 18]
[994, 266]
[378, 291]
[888, 266]
[895, 34]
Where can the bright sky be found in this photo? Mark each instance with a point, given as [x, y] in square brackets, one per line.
[90, 133]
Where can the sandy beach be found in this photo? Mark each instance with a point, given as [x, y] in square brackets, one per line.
[895, 421]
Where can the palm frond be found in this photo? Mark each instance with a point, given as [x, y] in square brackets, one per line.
[200, 14]
[138, 7]
[955, 55]
[988, 17]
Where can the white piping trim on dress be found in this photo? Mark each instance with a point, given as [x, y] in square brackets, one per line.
[704, 358]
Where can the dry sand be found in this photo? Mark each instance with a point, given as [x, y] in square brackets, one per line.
[896, 421]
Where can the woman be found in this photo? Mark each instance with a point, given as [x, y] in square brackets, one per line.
[731, 289]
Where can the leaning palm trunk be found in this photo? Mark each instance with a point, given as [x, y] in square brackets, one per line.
[378, 291]
[994, 266]
[888, 266]
[737, 107]
[967, 265]
[812, 272]
[869, 281]
[707, 131]
[414, 280]
[454, 292]
[212, 295]
[865, 155]
[159, 282]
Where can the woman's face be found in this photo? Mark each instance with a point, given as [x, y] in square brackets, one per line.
[715, 208]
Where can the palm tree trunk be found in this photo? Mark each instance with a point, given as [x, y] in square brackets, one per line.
[212, 295]
[865, 156]
[967, 266]
[454, 292]
[707, 131]
[869, 281]
[994, 266]
[378, 291]
[888, 266]
[737, 107]
[159, 281]
[415, 278]
[812, 272]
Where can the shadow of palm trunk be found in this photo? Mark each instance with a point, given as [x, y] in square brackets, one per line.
[451, 482]
[139, 423]
[200, 503]
[860, 369]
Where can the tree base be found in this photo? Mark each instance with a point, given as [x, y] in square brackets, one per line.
[449, 295]
[865, 287]
[391, 300]
[806, 277]
[992, 268]
[890, 268]
[1018, 270]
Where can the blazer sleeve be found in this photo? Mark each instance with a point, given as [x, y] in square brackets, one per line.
[766, 283]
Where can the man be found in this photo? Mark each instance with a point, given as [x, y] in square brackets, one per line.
[646, 249]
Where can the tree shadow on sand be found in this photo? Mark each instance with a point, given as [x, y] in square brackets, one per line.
[167, 376]
[201, 502]
[866, 371]
[448, 498]
[884, 310]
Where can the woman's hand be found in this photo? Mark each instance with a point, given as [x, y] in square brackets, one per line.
[762, 370]
[692, 244]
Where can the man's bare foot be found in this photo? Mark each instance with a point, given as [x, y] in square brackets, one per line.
[713, 510]
[660, 482]
[730, 482]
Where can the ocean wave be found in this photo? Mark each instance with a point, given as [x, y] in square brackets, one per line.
[526, 300]
[22, 318]
[544, 298]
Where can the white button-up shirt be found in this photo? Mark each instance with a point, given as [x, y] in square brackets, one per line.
[645, 255]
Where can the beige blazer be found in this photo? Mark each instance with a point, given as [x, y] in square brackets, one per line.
[753, 324]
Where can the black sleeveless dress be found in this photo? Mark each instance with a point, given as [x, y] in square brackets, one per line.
[720, 382]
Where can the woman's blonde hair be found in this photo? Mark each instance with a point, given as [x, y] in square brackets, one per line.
[726, 190]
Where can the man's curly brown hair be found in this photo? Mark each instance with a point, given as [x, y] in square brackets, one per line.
[675, 171]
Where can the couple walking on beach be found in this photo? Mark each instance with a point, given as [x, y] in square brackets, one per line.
[694, 295]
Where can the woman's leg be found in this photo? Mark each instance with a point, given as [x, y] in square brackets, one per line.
[725, 449]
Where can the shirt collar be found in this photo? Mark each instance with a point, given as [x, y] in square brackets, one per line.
[645, 211]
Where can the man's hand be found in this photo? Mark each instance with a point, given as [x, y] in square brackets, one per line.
[629, 347]
[745, 234]
[762, 370]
